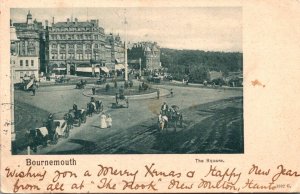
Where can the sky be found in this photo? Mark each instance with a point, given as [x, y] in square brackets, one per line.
[195, 28]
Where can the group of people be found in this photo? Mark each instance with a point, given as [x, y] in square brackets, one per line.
[105, 121]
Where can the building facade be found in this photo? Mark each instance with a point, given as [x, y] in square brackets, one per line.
[149, 52]
[75, 45]
[27, 51]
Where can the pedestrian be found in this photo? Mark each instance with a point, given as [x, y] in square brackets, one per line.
[171, 91]
[103, 124]
[94, 90]
[33, 89]
[108, 121]
[158, 92]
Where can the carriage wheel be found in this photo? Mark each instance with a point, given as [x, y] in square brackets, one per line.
[79, 122]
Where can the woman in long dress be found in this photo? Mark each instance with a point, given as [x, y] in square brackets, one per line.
[103, 124]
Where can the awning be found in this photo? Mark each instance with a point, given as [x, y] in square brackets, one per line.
[105, 69]
[119, 66]
[85, 69]
[59, 68]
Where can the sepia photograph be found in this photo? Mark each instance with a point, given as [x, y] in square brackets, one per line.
[127, 81]
[147, 96]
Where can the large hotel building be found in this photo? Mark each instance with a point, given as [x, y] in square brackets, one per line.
[73, 47]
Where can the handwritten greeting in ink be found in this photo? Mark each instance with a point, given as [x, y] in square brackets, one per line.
[150, 177]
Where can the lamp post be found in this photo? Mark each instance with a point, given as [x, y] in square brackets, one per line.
[125, 46]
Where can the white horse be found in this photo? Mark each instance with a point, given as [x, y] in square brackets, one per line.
[162, 122]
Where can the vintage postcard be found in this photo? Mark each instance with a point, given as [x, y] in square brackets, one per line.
[150, 96]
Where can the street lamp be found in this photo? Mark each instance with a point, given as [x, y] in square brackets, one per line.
[126, 65]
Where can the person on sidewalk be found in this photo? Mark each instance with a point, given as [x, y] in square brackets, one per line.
[158, 93]
[108, 121]
[103, 124]
[33, 89]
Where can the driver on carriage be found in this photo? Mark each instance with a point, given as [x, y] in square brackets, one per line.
[164, 108]
[75, 108]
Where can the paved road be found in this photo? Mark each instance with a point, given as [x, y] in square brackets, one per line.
[134, 129]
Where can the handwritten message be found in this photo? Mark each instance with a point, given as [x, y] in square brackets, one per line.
[151, 177]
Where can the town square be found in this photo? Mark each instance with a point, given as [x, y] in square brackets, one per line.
[83, 86]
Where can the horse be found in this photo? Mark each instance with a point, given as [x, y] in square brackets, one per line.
[99, 106]
[162, 122]
[51, 127]
[91, 106]
[69, 119]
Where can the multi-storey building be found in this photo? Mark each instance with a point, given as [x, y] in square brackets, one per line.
[73, 44]
[28, 51]
[149, 53]
[75, 47]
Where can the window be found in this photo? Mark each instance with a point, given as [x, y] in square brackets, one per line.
[96, 37]
[54, 45]
[71, 46]
[96, 45]
[88, 46]
[21, 63]
[21, 74]
[62, 46]
[32, 62]
[27, 63]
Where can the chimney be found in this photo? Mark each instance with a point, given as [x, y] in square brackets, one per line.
[46, 23]
[10, 23]
[52, 20]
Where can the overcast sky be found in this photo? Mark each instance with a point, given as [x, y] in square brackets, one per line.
[202, 28]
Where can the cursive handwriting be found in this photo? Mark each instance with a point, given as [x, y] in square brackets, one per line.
[131, 185]
[110, 170]
[26, 173]
[213, 171]
[258, 171]
[206, 184]
[154, 173]
[284, 172]
[250, 184]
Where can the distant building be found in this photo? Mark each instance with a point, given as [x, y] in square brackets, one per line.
[213, 75]
[149, 53]
[26, 50]
[115, 48]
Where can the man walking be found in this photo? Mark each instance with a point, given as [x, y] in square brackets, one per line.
[33, 89]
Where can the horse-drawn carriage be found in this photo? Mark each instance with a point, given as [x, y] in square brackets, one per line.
[101, 80]
[51, 131]
[62, 79]
[81, 84]
[94, 106]
[121, 101]
[172, 116]
[75, 117]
